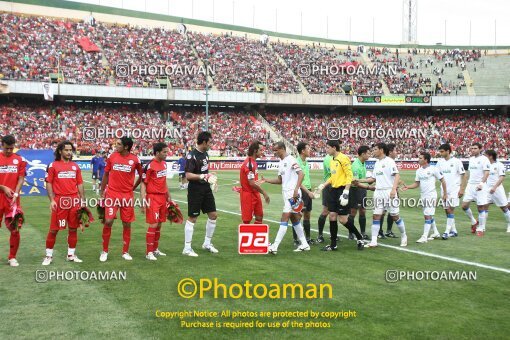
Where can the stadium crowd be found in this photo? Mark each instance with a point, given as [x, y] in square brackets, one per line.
[33, 47]
[42, 126]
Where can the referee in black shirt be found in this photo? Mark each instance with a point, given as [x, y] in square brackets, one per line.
[200, 195]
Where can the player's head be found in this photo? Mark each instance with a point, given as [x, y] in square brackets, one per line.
[8, 143]
[64, 151]
[491, 155]
[303, 149]
[332, 146]
[424, 158]
[392, 150]
[475, 149]
[204, 140]
[364, 153]
[255, 149]
[279, 149]
[445, 150]
[380, 150]
[160, 151]
[123, 144]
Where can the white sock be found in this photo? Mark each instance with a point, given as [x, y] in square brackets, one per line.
[434, 227]
[280, 234]
[482, 219]
[188, 234]
[469, 214]
[209, 231]
[450, 223]
[300, 233]
[375, 231]
[426, 228]
[401, 226]
[93, 187]
[507, 216]
[49, 252]
[70, 251]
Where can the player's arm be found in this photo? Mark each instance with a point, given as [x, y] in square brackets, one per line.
[498, 183]
[484, 179]
[139, 179]
[299, 183]
[51, 196]
[272, 181]
[104, 182]
[415, 185]
[81, 192]
[463, 184]
[306, 191]
[443, 185]
[259, 189]
[393, 192]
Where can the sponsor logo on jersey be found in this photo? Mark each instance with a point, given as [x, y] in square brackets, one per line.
[122, 167]
[161, 173]
[8, 169]
[66, 174]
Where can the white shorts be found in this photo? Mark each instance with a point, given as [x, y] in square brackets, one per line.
[428, 204]
[498, 197]
[383, 202]
[452, 199]
[286, 204]
[481, 197]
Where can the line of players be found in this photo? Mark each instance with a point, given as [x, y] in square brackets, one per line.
[343, 193]
[345, 186]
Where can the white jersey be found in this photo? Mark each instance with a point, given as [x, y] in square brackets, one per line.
[288, 169]
[496, 170]
[477, 165]
[427, 177]
[452, 170]
[384, 173]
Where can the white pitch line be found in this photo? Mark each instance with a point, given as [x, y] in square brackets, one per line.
[418, 252]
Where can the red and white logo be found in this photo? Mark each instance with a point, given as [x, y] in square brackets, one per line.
[253, 238]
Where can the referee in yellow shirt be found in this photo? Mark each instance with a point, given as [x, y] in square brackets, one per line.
[338, 203]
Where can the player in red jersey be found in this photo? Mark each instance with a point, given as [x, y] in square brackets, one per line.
[154, 190]
[251, 204]
[119, 175]
[65, 190]
[12, 174]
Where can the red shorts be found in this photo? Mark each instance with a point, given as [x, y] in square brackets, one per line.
[251, 204]
[5, 206]
[65, 215]
[114, 201]
[156, 211]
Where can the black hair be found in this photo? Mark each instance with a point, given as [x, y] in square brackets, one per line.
[8, 140]
[362, 149]
[446, 147]
[280, 145]
[60, 148]
[391, 147]
[493, 154]
[478, 145]
[384, 147]
[158, 147]
[203, 136]
[127, 142]
[334, 144]
[301, 146]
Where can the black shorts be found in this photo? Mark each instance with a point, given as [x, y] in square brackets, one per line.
[357, 197]
[325, 195]
[307, 201]
[334, 202]
[200, 198]
[182, 174]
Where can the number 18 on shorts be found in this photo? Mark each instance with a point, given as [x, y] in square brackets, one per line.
[253, 238]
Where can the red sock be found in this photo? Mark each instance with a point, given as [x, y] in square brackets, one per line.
[50, 240]
[156, 240]
[150, 238]
[247, 222]
[126, 236]
[107, 232]
[72, 238]
[14, 243]
[258, 222]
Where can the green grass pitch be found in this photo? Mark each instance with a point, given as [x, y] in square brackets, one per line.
[126, 309]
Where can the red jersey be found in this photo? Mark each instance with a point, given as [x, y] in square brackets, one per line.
[248, 171]
[154, 176]
[121, 170]
[11, 168]
[64, 177]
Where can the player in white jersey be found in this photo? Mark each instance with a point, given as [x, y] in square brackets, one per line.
[477, 189]
[386, 178]
[426, 177]
[290, 178]
[494, 182]
[455, 178]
